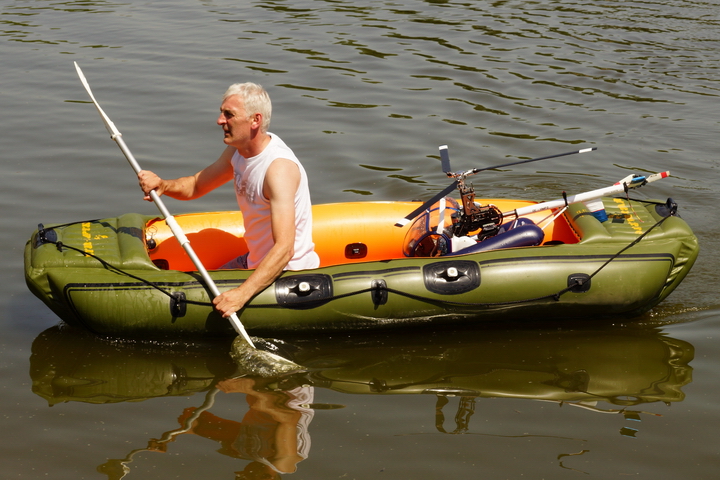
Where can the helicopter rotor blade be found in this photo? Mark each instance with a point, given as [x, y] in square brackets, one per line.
[424, 206]
[445, 164]
[445, 159]
[584, 150]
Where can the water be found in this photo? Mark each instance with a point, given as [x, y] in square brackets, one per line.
[365, 93]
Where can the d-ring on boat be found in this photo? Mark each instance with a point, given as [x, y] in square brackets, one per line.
[587, 256]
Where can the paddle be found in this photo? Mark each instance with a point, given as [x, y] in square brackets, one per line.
[117, 468]
[172, 223]
[445, 162]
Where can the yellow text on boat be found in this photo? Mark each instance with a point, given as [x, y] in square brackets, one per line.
[87, 245]
[626, 211]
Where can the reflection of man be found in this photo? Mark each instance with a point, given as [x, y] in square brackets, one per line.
[273, 433]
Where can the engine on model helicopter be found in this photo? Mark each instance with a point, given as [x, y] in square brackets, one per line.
[485, 219]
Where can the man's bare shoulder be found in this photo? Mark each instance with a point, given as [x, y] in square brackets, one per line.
[284, 166]
[283, 176]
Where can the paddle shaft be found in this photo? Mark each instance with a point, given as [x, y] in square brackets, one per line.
[169, 219]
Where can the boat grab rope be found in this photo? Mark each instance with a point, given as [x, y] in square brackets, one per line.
[42, 236]
[375, 289]
[576, 282]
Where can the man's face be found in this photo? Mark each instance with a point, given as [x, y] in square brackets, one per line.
[236, 125]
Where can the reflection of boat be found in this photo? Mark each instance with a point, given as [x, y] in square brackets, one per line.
[621, 367]
[626, 367]
[98, 371]
[372, 274]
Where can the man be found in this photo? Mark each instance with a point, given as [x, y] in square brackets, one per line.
[271, 188]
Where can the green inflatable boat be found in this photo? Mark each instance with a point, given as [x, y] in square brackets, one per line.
[484, 260]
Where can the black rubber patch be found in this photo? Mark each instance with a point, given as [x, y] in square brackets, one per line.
[451, 277]
[306, 290]
[579, 282]
[669, 208]
[379, 292]
[178, 307]
[44, 236]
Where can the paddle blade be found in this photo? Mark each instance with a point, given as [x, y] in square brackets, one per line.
[262, 363]
[109, 125]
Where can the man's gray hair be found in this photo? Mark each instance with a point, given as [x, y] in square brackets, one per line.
[255, 100]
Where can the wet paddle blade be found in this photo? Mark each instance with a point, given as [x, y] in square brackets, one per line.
[254, 361]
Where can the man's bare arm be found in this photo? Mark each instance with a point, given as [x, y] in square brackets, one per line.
[281, 182]
[191, 187]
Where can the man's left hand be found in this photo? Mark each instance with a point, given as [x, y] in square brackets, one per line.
[229, 302]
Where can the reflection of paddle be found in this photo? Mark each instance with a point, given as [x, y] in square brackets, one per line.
[117, 468]
[172, 223]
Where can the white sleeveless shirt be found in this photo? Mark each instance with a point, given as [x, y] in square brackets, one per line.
[249, 181]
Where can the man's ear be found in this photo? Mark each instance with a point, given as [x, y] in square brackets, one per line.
[256, 120]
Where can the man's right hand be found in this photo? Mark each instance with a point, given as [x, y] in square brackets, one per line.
[148, 182]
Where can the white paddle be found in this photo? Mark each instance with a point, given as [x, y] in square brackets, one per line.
[172, 223]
